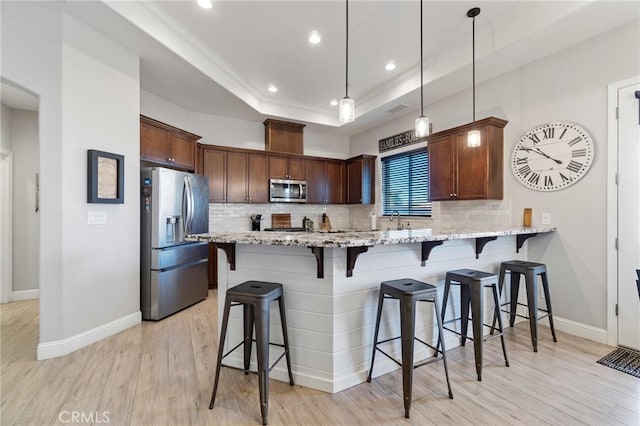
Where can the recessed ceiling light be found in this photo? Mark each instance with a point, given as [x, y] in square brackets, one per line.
[334, 102]
[205, 4]
[391, 65]
[314, 37]
[272, 88]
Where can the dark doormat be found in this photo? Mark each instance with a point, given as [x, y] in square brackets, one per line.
[623, 359]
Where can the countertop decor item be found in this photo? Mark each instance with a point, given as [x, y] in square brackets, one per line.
[552, 156]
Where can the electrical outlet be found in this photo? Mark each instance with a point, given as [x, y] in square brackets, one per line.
[97, 218]
[546, 219]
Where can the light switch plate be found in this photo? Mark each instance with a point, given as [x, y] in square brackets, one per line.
[546, 219]
[97, 218]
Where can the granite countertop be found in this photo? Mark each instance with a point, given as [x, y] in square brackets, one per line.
[362, 238]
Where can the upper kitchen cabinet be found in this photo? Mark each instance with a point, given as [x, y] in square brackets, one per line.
[458, 172]
[326, 181]
[283, 136]
[166, 145]
[361, 178]
[247, 178]
[213, 164]
[281, 167]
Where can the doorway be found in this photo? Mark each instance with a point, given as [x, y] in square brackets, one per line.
[19, 208]
[625, 211]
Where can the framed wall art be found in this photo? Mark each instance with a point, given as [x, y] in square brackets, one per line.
[105, 177]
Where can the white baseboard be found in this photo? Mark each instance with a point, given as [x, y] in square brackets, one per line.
[578, 329]
[62, 347]
[24, 295]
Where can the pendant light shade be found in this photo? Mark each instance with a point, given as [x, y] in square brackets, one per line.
[422, 126]
[347, 108]
[474, 136]
[422, 122]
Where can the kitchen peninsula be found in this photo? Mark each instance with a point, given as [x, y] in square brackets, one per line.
[331, 283]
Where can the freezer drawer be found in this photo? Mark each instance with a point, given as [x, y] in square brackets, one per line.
[175, 289]
[177, 255]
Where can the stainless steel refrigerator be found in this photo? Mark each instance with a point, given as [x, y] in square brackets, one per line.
[173, 271]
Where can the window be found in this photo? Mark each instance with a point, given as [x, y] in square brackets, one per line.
[405, 184]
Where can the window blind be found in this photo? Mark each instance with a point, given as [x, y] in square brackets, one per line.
[405, 183]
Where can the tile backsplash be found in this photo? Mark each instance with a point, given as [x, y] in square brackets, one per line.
[236, 217]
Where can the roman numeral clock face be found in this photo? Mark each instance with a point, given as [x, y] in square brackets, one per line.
[552, 156]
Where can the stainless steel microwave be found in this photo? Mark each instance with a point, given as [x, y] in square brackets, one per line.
[287, 191]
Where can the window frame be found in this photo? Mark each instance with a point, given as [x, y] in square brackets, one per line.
[427, 210]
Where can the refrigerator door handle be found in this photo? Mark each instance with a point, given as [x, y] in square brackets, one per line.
[187, 205]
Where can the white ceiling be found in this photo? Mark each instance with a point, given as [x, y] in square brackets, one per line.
[17, 98]
[220, 61]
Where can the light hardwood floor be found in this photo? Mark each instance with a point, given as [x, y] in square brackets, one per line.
[161, 373]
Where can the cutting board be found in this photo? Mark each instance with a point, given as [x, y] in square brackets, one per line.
[281, 220]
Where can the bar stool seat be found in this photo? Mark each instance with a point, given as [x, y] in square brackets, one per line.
[255, 297]
[471, 284]
[409, 291]
[531, 271]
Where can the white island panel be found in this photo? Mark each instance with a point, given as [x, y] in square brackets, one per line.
[331, 319]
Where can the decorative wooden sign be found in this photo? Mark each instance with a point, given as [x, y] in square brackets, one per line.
[399, 140]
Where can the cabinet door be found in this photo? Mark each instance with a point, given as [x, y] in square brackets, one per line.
[441, 169]
[316, 181]
[183, 151]
[296, 169]
[335, 182]
[471, 166]
[154, 143]
[258, 179]
[277, 167]
[237, 177]
[214, 166]
[354, 182]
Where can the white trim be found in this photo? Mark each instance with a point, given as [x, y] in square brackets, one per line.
[612, 207]
[62, 347]
[6, 225]
[581, 330]
[24, 295]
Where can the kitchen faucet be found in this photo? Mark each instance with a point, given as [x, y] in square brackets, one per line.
[397, 214]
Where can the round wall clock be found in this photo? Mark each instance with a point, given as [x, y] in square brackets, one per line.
[552, 156]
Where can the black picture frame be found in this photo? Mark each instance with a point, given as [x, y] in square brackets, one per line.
[105, 177]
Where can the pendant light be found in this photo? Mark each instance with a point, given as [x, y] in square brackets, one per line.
[474, 136]
[347, 105]
[422, 122]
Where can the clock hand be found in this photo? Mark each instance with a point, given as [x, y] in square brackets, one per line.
[537, 151]
[544, 154]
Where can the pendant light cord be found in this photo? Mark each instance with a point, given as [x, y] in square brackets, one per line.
[473, 50]
[346, 80]
[421, 67]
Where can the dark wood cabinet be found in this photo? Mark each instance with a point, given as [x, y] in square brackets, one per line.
[214, 166]
[361, 179]
[326, 181]
[286, 168]
[247, 178]
[458, 172]
[166, 145]
[283, 136]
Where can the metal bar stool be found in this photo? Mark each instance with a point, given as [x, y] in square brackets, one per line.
[471, 284]
[408, 292]
[530, 270]
[255, 297]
